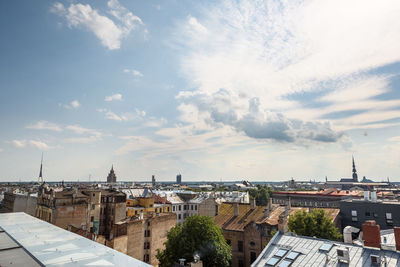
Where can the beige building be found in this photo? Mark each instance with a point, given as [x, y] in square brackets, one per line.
[19, 201]
[140, 237]
[91, 210]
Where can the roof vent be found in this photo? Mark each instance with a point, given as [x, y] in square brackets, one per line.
[343, 255]
[375, 260]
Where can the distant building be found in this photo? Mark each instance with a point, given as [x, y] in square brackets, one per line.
[112, 178]
[28, 241]
[179, 179]
[94, 211]
[153, 181]
[355, 176]
[141, 236]
[354, 212]
[328, 198]
[19, 201]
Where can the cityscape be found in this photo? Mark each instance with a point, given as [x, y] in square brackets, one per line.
[230, 133]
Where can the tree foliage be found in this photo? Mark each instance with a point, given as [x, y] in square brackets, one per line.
[261, 194]
[198, 235]
[316, 223]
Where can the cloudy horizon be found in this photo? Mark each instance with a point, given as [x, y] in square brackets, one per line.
[232, 90]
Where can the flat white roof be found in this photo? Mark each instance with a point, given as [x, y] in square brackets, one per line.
[53, 246]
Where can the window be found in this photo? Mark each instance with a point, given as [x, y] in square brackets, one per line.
[272, 261]
[389, 219]
[180, 207]
[354, 216]
[146, 233]
[240, 246]
[92, 206]
[173, 208]
[367, 213]
[91, 229]
[179, 216]
[228, 241]
[92, 219]
[252, 243]
[240, 263]
[292, 255]
[168, 209]
[191, 207]
[146, 245]
[195, 207]
[151, 205]
[285, 263]
[148, 223]
[281, 253]
[326, 247]
[253, 256]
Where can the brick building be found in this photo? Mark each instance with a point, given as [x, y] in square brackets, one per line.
[248, 228]
[92, 210]
[141, 236]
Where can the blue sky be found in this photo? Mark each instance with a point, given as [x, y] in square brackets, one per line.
[258, 90]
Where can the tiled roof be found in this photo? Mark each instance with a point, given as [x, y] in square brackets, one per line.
[227, 221]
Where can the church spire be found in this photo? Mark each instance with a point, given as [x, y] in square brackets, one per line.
[355, 177]
[40, 178]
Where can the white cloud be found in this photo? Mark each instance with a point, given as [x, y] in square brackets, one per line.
[135, 73]
[272, 49]
[19, 143]
[395, 139]
[72, 105]
[34, 143]
[1, 150]
[39, 144]
[45, 125]
[113, 97]
[112, 116]
[106, 30]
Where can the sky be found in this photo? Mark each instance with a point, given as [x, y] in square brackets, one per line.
[261, 90]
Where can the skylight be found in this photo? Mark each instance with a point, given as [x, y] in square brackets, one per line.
[292, 255]
[281, 253]
[326, 247]
[285, 263]
[272, 261]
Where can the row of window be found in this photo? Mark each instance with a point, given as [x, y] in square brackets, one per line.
[185, 207]
[388, 215]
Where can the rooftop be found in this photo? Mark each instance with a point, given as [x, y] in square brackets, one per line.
[28, 241]
[295, 250]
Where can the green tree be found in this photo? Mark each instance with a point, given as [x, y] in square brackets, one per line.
[316, 223]
[261, 194]
[198, 235]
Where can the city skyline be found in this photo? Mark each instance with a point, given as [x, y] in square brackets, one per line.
[257, 90]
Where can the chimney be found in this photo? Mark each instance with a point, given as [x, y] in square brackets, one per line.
[282, 222]
[252, 203]
[373, 196]
[266, 213]
[366, 195]
[371, 234]
[397, 237]
[270, 204]
[236, 209]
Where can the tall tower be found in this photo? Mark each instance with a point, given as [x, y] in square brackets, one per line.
[355, 177]
[179, 179]
[111, 178]
[40, 178]
[153, 180]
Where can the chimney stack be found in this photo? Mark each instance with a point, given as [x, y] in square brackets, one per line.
[371, 234]
[373, 196]
[236, 209]
[252, 203]
[397, 237]
[366, 195]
